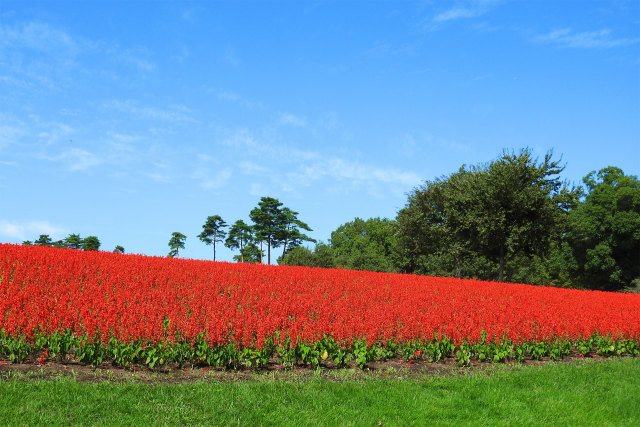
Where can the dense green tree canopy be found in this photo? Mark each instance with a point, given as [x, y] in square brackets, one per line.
[44, 240]
[250, 253]
[73, 241]
[605, 230]
[322, 256]
[91, 243]
[477, 220]
[365, 245]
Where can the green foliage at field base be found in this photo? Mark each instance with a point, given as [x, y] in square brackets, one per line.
[585, 393]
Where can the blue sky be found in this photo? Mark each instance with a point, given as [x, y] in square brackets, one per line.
[132, 120]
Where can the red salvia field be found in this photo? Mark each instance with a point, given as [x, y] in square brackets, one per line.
[134, 308]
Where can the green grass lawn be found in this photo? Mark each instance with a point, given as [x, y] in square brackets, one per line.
[605, 392]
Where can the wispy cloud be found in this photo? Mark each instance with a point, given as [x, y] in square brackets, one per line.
[291, 119]
[212, 179]
[135, 58]
[601, 39]
[9, 134]
[39, 37]
[78, 159]
[37, 55]
[341, 169]
[231, 58]
[163, 178]
[54, 132]
[245, 139]
[209, 174]
[177, 114]
[387, 49]
[462, 10]
[230, 96]
[251, 168]
[290, 169]
[159, 172]
[457, 13]
[29, 230]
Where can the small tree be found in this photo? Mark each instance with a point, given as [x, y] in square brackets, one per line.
[73, 241]
[27, 243]
[276, 225]
[118, 250]
[176, 243]
[44, 240]
[267, 219]
[213, 232]
[91, 243]
[240, 235]
[290, 235]
[299, 256]
[251, 254]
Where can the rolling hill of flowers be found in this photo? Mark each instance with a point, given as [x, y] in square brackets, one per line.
[96, 307]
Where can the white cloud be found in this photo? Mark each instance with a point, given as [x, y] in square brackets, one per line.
[251, 168]
[79, 159]
[38, 55]
[55, 132]
[343, 169]
[467, 9]
[290, 168]
[174, 114]
[123, 138]
[245, 140]
[159, 177]
[257, 189]
[230, 96]
[29, 230]
[387, 49]
[76, 159]
[230, 57]
[135, 58]
[601, 39]
[349, 175]
[9, 134]
[290, 119]
[236, 99]
[39, 37]
[212, 180]
[457, 13]
[161, 173]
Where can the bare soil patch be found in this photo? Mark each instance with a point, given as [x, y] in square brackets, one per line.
[391, 369]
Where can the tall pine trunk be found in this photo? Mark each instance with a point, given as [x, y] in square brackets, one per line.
[269, 251]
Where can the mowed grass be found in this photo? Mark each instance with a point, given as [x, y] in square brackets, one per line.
[605, 392]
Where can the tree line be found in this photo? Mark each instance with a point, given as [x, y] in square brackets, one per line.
[512, 219]
[273, 226]
[72, 241]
